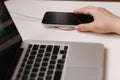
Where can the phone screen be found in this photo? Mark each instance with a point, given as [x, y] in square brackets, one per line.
[66, 18]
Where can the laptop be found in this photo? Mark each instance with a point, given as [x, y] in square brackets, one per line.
[46, 60]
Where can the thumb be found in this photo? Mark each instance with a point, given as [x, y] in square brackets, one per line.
[84, 27]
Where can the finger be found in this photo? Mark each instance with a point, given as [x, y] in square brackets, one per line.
[87, 7]
[85, 10]
[82, 11]
[85, 27]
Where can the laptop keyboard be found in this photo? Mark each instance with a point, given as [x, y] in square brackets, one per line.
[43, 62]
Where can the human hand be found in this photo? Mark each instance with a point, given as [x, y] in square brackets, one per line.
[104, 21]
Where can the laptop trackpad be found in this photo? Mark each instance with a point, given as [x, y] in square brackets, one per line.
[80, 73]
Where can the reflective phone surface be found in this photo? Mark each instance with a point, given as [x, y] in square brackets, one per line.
[65, 18]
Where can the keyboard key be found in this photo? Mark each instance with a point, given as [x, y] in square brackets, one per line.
[28, 50]
[33, 52]
[48, 77]
[57, 75]
[33, 75]
[51, 66]
[46, 59]
[40, 55]
[40, 79]
[20, 70]
[26, 72]
[63, 51]
[27, 54]
[28, 67]
[35, 47]
[56, 49]
[61, 61]
[35, 70]
[30, 46]
[23, 64]
[50, 72]
[54, 57]
[29, 62]
[43, 69]
[24, 77]
[47, 54]
[25, 59]
[52, 62]
[65, 47]
[59, 66]
[41, 74]
[32, 57]
[31, 79]
[44, 64]
[41, 51]
[63, 56]
[42, 46]
[49, 48]
[18, 75]
[38, 60]
[36, 64]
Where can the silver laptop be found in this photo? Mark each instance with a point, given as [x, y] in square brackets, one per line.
[46, 60]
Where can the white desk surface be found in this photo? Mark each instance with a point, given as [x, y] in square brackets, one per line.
[31, 28]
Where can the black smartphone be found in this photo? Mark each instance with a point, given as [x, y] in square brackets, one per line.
[65, 19]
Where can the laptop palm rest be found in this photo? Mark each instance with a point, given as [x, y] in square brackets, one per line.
[84, 65]
[82, 73]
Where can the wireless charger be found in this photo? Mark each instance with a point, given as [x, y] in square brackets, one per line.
[66, 28]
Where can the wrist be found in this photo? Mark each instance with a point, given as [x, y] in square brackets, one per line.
[115, 27]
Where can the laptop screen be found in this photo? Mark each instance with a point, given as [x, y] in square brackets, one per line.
[10, 41]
